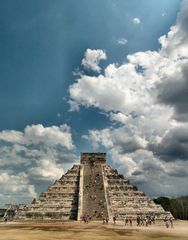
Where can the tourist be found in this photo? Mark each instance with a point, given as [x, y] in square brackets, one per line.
[107, 219]
[153, 219]
[171, 222]
[147, 220]
[114, 219]
[126, 220]
[142, 221]
[5, 219]
[130, 221]
[166, 222]
[138, 220]
[85, 219]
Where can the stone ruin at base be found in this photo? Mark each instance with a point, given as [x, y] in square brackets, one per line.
[91, 188]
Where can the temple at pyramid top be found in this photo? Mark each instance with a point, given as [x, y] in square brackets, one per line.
[92, 188]
[90, 158]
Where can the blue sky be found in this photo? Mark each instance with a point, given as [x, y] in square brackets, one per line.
[43, 44]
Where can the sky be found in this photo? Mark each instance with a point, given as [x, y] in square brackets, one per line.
[90, 76]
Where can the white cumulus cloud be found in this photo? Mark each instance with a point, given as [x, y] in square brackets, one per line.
[122, 41]
[136, 20]
[32, 157]
[92, 59]
[147, 96]
[16, 188]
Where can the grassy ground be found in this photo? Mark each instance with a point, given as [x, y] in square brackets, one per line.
[91, 231]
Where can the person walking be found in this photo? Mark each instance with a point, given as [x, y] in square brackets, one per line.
[130, 221]
[5, 219]
[166, 222]
[171, 222]
[114, 219]
[126, 220]
[138, 220]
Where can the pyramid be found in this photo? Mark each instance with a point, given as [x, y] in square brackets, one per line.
[91, 188]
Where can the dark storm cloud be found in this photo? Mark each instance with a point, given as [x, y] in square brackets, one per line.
[128, 146]
[180, 173]
[126, 141]
[174, 92]
[151, 167]
[139, 182]
[137, 173]
[183, 17]
[174, 146]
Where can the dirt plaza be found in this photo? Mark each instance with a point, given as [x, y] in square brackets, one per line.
[92, 230]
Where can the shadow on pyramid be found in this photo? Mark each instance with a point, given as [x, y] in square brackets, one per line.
[93, 189]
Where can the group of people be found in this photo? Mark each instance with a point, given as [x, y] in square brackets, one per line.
[85, 218]
[105, 220]
[145, 221]
[128, 220]
[168, 222]
[148, 220]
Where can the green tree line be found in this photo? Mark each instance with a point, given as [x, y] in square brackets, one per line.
[177, 206]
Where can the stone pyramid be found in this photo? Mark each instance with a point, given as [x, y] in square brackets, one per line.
[91, 188]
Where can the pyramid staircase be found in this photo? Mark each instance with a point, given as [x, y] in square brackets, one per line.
[94, 201]
[91, 189]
